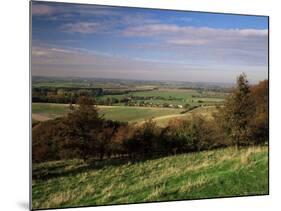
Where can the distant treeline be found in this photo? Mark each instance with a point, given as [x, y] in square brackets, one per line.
[84, 134]
[72, 94]
[209, 88]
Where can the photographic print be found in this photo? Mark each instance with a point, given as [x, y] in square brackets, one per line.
[135, 105]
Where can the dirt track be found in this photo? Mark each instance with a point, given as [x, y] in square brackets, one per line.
[39, 117]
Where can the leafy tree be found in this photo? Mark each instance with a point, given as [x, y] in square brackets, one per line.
[81, 129]
[237, 113]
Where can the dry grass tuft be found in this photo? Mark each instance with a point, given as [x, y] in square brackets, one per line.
[189, 185]
[245, 157]
[59, 198]
[156, 193]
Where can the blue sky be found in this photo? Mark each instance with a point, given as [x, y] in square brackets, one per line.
[133, 43]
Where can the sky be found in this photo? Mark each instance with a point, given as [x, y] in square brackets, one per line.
[75, 40]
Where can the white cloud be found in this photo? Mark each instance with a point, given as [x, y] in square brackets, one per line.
[111, 24]
[188, 42]
[175, 30]
[205, 44]
[49, 52]
[152, 30]
[37, 52]
[81, 27]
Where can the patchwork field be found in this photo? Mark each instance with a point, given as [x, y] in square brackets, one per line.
[120, 113]
[216, 173]
[174, 96]
[162, 116]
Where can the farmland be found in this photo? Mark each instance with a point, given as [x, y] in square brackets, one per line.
[171, 97]
[132, 93]
[216, 173]
[129, 114]
[125, 100]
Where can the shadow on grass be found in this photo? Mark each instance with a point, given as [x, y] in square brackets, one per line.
[64, 169]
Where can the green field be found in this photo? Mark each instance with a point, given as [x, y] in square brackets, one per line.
[135, 114]
[120, 113]
[181, 96]
[50, 110]
[216, 173]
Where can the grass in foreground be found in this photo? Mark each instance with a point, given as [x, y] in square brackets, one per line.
[216, 173]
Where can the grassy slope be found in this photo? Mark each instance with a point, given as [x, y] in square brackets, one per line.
[218, 173]
[206, 112]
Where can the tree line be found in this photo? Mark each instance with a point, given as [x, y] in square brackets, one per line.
[66, 95]
[83, 133]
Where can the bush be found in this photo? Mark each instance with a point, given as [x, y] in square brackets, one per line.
[45, 141]
[144, 140]
[191, 135]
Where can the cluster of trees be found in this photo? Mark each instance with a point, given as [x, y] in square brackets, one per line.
[203, 87]
[63, 95]
[83, 133]
[72, 94]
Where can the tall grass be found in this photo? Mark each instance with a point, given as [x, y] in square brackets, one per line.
[216, 173]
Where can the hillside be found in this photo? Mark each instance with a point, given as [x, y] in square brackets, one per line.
[216, 173]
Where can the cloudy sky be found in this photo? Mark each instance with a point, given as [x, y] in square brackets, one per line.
[131, 43]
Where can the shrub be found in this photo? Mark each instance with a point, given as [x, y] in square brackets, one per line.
[45, 141]
[195, 134]
[144, 140]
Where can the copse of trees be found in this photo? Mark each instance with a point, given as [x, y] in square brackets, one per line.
[84, 134]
